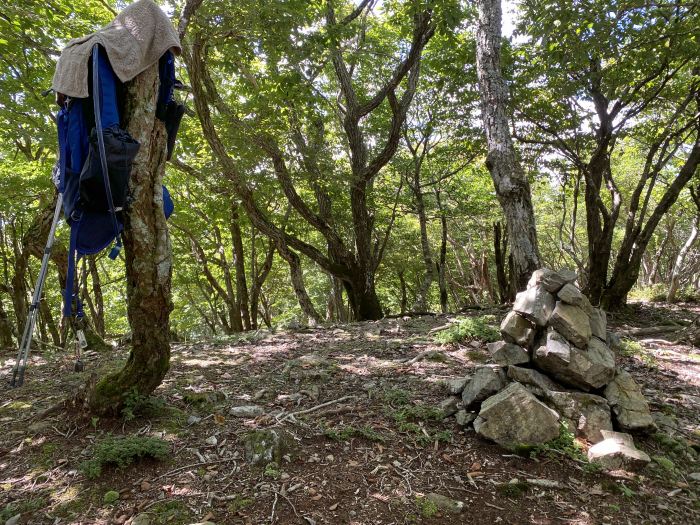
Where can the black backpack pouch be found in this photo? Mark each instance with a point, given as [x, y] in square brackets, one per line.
[120, 149]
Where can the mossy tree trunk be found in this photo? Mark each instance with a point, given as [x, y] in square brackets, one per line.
[148, 257]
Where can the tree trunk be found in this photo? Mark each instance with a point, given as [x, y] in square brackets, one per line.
[297, 277]
[680, 259]
[148, 257]
[6, 340]
[239, 263]
[500, 246]
[509, 178]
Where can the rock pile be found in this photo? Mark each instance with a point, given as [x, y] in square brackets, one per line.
[553, 366]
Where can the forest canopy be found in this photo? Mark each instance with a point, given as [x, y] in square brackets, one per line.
[332, 163]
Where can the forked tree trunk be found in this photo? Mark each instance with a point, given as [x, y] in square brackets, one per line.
[680, 260]
[148, 257]
[509, 178]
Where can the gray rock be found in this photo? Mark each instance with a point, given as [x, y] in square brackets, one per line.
[463, 417]
[449, 406]
[588, 415]
[535, 304]
[515, 418]
[695, 476]
[486, 381]
[247, 411]
[599, 324]
[455, 386]
[506, 354]
[584, 369]
[629, 406]
[517, 330]
[445, 504]
[14, 520]
[571, 295]
[534, 381]
[550, 280]
[617, 451]
[571, 322]
[38, 427]
[264, 446]
[193, 420]
[613, 340]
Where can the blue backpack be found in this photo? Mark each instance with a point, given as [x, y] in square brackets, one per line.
[95, 160]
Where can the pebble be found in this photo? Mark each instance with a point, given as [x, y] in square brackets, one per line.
[14, 520]
[211, 440]
[695, 476]
[193, 420]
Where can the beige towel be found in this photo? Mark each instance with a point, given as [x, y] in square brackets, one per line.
[134, 40]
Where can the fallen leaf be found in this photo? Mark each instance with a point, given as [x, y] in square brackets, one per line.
[219, 420]
[316, 497]
[333, 507]
[475, 466]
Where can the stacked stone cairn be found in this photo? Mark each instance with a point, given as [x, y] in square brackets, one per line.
[554, 367]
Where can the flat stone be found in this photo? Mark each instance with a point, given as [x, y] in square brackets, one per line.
[455, 386]
[584, 369]
[445, 504]
[571, 322]
[629, 405]
[536, 382]
[695, 476]
[14, 520]
[538, 276]
[486, 381]
[599, 324]
[515, 418]
[587, 414]
[506, 354]
[449, 406]
[616, 452]
[463, 417]
[517, 330]
[568, 276]
[535, 304]
[571, 295]
[247, 411]
[193, 420]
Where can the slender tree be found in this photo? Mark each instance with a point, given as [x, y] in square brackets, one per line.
[509, 178]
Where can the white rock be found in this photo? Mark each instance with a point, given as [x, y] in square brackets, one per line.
[247, 411]
[617, 451]
[486, 381]
[628, 404]
[517, 330]
[571, 322]
[535, 304]
[514, 418]
[506, 354]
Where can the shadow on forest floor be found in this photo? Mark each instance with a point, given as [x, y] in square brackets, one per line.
[366, 450]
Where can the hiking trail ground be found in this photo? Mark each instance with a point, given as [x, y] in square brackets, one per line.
[366, 447]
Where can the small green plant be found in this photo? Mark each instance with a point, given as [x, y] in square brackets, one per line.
[20, 507]
[345, 433]
[632, 348]
[397, 396]
[123, 451]
[564, 444]
[427, 508]
[665, 463]
[137, 404]
[238, 504]
[110, 497]
[272, 470]
[482, 328]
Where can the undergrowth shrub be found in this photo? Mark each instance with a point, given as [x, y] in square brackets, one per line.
[482, 328]
[122, 452]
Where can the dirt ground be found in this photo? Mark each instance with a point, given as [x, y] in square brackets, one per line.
[364, 443]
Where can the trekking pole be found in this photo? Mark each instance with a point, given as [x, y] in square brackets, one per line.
[25, 344]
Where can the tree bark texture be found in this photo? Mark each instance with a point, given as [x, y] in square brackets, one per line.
[148, 257]
[509, 178]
